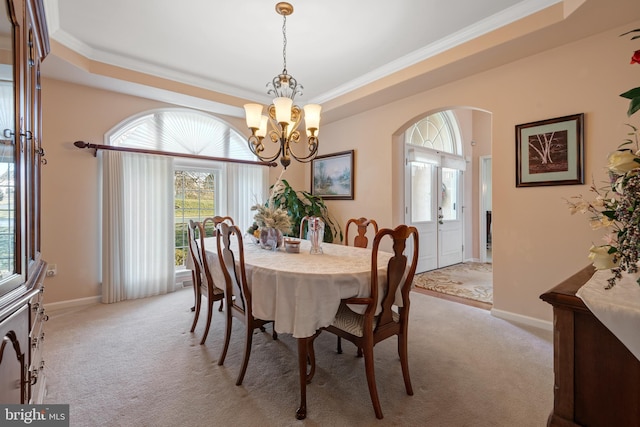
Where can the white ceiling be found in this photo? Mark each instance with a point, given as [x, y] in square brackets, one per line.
[235, 47]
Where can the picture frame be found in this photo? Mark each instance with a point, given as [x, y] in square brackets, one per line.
[550, 152]
[332, 176]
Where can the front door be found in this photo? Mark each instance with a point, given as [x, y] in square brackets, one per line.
[434, 208]
[449, 217]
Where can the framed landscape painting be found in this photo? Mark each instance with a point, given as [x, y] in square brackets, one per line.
[332, 176]
[550, 152]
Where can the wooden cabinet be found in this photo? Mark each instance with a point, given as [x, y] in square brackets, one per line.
[23, 45]
[597, 379]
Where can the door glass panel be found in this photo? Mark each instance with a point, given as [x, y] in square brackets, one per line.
[449, 196]
[421, 193]
[7, 148]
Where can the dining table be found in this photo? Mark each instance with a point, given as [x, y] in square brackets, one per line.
[301, 292]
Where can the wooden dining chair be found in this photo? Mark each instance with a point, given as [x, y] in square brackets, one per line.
[210, 223]
[203, 284]
[238, 294]
[360, 241]
[366, 330]
[362, 224]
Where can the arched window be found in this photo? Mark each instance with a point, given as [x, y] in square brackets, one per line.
[202, 188]
[437, 132]
[181, 131]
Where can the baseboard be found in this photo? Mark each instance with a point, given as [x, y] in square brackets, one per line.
[519, 318]
[62, 305]
[55, 306]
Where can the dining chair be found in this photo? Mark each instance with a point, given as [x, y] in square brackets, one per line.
[238, 294]
[360, 241]
[383, 317]
[362, 224]
[210, 224]
[203, 284]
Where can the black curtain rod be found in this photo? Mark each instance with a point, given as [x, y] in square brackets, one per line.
[96, 147]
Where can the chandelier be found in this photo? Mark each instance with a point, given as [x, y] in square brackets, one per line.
[284, 117]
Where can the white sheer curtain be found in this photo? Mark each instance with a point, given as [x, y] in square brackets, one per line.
[137, 226]
[246, 186]
[6, 120]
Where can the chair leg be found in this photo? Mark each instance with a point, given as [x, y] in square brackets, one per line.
[227, 335]
[311, 357]
[371, 379]
[339, 347]
[221, 305]
[195, 291]
[209, 316]
[274, 334]
[197, 312]
[247, 351]
[404, 362]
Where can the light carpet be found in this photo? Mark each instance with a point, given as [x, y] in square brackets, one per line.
[471, 280]
[134, 363]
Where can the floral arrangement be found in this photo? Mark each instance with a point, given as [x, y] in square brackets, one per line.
[269, 216]
[617, 205]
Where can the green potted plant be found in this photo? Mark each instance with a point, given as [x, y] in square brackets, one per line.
[300, 204]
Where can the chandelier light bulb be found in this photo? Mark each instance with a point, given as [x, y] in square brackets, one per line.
[312, 116]
[253, 113]
[262, 130]
[283, 109]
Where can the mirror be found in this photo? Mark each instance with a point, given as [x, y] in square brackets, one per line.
[7, 144]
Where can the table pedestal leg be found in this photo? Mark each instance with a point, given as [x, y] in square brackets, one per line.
[301, 413]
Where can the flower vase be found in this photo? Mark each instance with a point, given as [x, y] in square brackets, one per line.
[315, 235]
[270, 238]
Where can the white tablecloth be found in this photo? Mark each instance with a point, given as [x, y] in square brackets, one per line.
[617, 308]
[301, 292]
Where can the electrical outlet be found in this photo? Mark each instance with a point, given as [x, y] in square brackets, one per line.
[52, 270]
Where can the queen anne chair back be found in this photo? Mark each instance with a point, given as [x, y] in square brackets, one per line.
[210, 223]
[362, 224]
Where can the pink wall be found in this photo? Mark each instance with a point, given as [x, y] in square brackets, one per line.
[536, 243]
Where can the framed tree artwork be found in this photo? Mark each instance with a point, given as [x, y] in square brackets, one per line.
[332, 176]
[550, 152]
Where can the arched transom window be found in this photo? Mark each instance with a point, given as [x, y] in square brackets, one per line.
[181, 131]
[436, 131]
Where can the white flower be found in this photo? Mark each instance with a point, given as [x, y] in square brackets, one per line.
[623, 161]
[601, 222]
[601, 258]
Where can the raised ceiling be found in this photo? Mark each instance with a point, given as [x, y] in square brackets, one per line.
[335, 48]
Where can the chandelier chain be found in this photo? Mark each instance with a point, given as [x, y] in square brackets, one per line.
[284, 44]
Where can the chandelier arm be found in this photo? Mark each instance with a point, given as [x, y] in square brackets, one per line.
[312, 144]
[256, 147]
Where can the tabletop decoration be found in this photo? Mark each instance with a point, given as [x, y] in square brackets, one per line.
[616, 206]
[315, 233]
[292, 246]
[272, 221]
